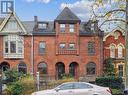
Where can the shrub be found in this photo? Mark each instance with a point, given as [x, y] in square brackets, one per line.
[28, 84]
[16, 88]
[112, 82]
[12, 75]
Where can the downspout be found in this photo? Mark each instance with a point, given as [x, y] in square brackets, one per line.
[32, 55]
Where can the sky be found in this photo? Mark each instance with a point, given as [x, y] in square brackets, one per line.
[48, 10]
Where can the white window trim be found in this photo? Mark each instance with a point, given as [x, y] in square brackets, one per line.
[13, 55]
[72, 28]
[112, 55]
[62, 28]
[120, 55]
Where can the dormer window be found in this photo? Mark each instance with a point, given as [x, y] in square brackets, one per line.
[62, 28]
[42, 25]
[92, 27]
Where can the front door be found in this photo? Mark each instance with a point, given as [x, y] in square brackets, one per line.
[60, 69]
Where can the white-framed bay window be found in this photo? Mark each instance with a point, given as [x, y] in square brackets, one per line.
[13, 46]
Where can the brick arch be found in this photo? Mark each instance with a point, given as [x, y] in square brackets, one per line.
[60, 70]
[74, 69]
[112, 44]
[22, 67]
[4, 65]
[91, 68]
[120, 44]
[42, 67]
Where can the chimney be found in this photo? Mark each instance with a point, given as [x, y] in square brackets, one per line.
[35, 19]
[36, 23]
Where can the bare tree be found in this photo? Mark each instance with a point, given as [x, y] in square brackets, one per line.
[121, 9]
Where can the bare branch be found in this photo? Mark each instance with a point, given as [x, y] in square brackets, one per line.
[112, 20]
[112, 11]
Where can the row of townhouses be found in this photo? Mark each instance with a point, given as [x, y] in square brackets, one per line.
[65, 45]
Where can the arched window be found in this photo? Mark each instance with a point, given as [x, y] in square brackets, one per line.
[22, 68]
[120, 51]
[112, 51]
[91, 68]
[42, 68]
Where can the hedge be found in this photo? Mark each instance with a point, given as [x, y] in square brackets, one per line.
[112, 82]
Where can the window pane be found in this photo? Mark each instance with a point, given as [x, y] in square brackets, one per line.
[82, 86]
[13, 47]
[120, 51]
[71, 28]
[66, 86]
[62, 27]
[42, 25]
[71, 46]
[120, 68]
[20, 47]
[91, 47]
[112, 51]
[22, 68]
[6, 47]
[62, 46]
[42, 68]
[91, 68]
[42, 46]
[92, 26]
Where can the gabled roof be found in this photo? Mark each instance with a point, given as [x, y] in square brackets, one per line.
[112, 32]
[17, 19]
[67, 15]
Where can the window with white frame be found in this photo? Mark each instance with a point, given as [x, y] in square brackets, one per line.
[71, 28]
[112, 51]
[12, 25]
[62, 28]
[13, 45]
[91, 48]
[92, 26]
[62, 45]
[71, 46]
[42, 25]
[20, 48]
[6, 47]
[42, 47]
[120, 51]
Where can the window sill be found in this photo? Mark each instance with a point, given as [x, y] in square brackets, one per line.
[41, 54]
[13, 56]
[91, 54]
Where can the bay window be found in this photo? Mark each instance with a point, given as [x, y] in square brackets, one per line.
[13, 46]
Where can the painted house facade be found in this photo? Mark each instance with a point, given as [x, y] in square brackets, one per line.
[63, 46]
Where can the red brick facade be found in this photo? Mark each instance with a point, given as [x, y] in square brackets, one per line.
[115, 38]
[59, 61]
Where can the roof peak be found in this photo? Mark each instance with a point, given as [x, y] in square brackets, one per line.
[67, 15]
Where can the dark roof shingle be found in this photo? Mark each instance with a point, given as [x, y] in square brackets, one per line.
[67, 15]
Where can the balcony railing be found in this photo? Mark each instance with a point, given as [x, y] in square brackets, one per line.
[67, 51]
